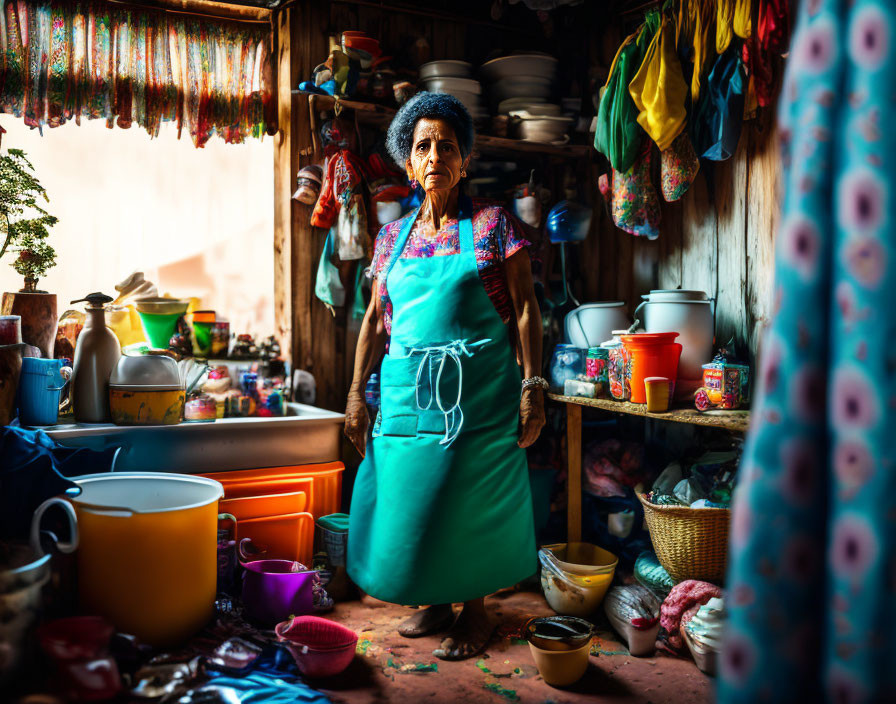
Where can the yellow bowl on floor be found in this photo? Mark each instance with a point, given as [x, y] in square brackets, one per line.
[561, 668]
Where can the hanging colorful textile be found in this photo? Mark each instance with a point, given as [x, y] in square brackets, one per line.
[813, 536]
[65, 60]
[695, 36]
[658, 89]
[718, 118]
[679, 165]
[636, 206]
[618, 135]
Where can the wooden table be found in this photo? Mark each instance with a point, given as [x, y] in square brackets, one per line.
[733, 421]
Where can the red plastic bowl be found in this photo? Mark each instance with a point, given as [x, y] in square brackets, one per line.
[320, 647]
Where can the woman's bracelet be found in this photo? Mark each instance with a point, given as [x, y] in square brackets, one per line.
[535, 381]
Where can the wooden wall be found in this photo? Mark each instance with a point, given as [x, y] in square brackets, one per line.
[718, 238]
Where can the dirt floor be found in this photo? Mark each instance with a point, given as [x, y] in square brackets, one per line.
[390, 668]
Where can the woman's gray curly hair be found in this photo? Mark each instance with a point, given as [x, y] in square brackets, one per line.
[400, 137]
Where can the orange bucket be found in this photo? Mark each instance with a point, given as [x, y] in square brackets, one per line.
[653, 354]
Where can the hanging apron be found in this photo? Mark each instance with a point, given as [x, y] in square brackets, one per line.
[441, 509]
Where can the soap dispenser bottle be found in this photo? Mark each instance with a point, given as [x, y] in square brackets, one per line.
[96, 355]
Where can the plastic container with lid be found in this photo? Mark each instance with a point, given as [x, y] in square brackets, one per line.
[146, 390]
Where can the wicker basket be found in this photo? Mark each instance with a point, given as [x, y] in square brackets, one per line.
[691, 543]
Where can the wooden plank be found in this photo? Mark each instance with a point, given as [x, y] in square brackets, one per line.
[731, 206]
[735, 421]
[283, 180]
[669, 265]
[762, 217]
[204, 8]
[574, 472]
[698, 239]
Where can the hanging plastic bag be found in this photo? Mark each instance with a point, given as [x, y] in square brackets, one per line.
[618, 135]
[658, 89]
[636, 206]
[718, 117]
[679, 166]
[328, 288]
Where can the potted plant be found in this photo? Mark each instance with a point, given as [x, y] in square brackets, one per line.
[24, 228]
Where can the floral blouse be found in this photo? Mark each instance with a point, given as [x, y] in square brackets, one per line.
[495, 239]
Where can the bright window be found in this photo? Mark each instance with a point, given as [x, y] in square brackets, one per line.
[198, 222]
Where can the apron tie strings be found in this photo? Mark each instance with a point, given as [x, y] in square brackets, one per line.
[437, 356]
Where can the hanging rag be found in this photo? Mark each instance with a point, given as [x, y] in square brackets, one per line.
[636, 206]
[695, 32]
[718, 118]
[33, 468]
[328, 286]
[732, 17]
[618, 135]
[658, 89]
[679, 165]
[341, 203]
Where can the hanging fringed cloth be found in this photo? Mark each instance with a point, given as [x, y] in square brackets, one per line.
[69, 59]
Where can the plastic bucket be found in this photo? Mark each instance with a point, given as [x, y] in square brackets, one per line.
[147, 559]
[575, 576]
[40, 386]
[652, 354]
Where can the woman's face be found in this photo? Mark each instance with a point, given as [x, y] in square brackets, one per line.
[436, 162]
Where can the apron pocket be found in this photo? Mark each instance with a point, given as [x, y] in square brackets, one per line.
[399, 425]
[399, 371]
[431, 422]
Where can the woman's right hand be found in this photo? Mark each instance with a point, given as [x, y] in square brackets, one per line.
[357, 421]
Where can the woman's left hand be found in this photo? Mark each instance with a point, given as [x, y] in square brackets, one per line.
[531, 415]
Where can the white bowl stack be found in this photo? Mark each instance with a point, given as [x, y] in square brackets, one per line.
[453, 77]
[520, 86]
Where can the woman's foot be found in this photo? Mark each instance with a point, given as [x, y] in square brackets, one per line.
[469, 635]
[426, 621]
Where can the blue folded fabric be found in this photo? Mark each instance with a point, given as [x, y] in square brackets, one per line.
[34, 467]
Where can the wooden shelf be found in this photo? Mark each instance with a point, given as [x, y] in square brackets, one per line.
[735, 421]
[485, 144]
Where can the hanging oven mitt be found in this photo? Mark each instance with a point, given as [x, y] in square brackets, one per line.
[618, 135]
[658, 89]
[636, 206]
[719, 115]
[679, 165]
[327, 286]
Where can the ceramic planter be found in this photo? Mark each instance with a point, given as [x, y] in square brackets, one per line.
[39, 318]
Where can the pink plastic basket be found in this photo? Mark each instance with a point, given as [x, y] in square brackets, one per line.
[320, 647]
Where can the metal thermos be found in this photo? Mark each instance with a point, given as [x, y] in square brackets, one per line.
[96, 355]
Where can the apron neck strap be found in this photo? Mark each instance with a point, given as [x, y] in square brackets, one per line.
[465, 227]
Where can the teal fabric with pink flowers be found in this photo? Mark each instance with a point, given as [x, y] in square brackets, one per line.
[812, 577]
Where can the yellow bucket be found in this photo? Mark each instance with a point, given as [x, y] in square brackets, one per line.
[147, 558]
[576, 576]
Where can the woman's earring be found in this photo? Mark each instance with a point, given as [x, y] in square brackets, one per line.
[463, 173]
[414, 184]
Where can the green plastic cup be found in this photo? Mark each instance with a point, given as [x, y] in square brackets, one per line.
[159, 327]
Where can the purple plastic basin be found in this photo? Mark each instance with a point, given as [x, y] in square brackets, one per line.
[274, 590]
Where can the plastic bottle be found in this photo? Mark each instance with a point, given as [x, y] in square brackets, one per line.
[96, 355]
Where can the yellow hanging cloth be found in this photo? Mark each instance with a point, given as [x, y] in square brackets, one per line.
[741, 22]
[699, 27]
[659, 89]
[724, 20]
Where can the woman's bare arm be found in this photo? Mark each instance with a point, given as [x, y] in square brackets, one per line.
[368, 354]
[528, 321]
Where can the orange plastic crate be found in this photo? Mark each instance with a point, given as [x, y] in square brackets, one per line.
[288, 537]
[325, 497]
[244, 507]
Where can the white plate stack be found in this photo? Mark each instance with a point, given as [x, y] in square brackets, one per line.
[453, 77]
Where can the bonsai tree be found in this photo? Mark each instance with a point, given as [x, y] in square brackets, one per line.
[23, 222]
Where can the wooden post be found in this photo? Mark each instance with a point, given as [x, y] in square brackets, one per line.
[574, 478]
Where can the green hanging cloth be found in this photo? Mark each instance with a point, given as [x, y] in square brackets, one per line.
[618, 135]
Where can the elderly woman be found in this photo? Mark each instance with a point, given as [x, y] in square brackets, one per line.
[441, 511]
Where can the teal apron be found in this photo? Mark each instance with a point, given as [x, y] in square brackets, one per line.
[441, 509]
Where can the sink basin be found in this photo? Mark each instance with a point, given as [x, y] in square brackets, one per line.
[306, 435]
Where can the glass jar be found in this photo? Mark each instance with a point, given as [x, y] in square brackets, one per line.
[596, 370]
[568, 362]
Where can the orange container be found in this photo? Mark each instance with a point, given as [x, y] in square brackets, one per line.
[653, 354]
[325, 498]
[244, 507]
[289, 537]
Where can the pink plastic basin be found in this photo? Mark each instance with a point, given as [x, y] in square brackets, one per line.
[320, 647]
